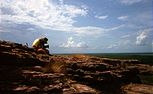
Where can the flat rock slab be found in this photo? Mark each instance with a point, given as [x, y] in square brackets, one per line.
[80, 88]
[138, 89]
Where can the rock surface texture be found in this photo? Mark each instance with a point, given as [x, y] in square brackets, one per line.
[23, 71]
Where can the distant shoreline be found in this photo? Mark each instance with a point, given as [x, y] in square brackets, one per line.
[149, 53]
[144, 58]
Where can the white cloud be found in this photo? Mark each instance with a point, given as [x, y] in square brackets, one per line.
[82, 45]
[123, 18]
[125, 36]
[112, 46]
[129, 2]
[43, 13]
[72, 44]
[49, 15]
[94, 31]
[120, 43]
[115, 28]
[143, 38]
[101, 17]
[30, 29]
[89, 30]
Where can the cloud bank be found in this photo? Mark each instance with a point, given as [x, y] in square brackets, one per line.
[72, 44]
[123, 18]
[48, 14]
[101, 17]
[130, 2]
[143, 38]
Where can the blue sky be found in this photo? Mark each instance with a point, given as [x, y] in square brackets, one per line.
[80, 26]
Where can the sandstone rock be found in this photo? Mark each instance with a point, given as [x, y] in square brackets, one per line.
[138, 89]
[22, 70]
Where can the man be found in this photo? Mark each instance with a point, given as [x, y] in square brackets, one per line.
[40, 45]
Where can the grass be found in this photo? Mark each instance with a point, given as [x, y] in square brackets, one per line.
[147, 79]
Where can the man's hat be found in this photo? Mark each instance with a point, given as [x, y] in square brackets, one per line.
[45, 39]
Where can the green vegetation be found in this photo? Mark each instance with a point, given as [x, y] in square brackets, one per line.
[145, 58]
[147, 79]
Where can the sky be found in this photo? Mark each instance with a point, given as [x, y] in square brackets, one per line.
[80, 26]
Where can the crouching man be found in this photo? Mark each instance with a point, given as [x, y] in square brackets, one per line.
[40, 45]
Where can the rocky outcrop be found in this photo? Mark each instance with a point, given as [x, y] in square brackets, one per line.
[138, 89]
[22, 70]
